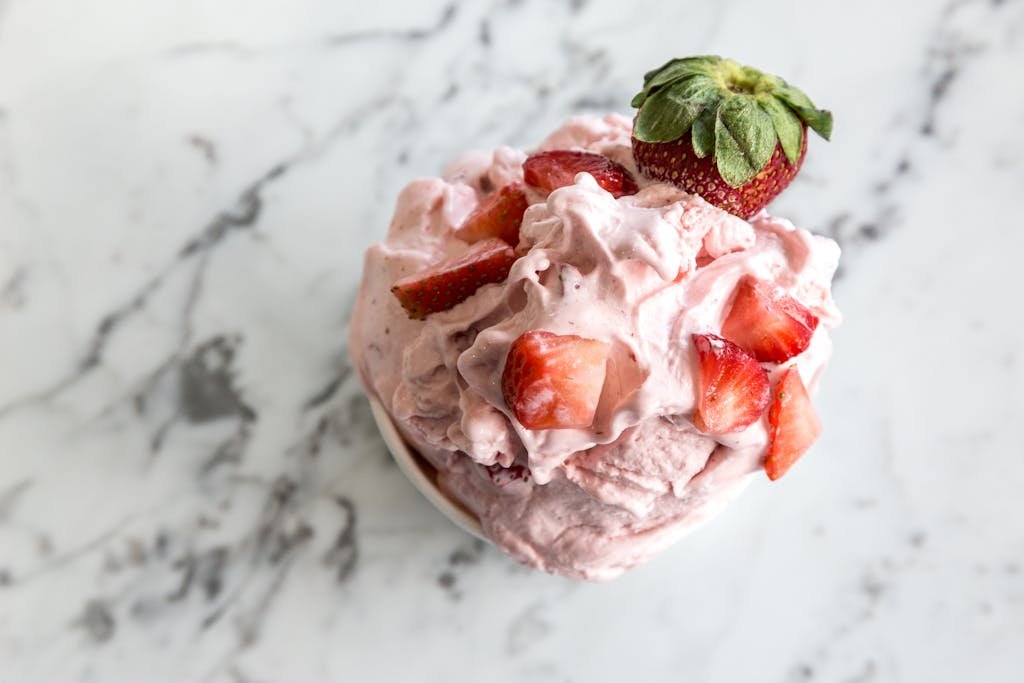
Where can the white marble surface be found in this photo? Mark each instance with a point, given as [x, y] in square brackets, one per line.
[191, 488]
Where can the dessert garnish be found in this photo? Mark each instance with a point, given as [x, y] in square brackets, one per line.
[730, 133]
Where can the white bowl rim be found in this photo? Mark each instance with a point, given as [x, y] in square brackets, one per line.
[417, 470]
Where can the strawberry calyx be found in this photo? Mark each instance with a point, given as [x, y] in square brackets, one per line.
[736, 114]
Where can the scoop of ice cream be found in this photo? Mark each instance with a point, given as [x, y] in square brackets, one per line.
[641, 273]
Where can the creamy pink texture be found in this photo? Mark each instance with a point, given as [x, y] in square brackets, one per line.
[624, 271]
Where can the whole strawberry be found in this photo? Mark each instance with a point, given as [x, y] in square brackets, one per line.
[732, 134]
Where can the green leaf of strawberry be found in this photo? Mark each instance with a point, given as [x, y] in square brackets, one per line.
[819, 120]
[787, 125]
[747, 125]
[744, 139]
[673, 71]
[703, 133]
[667, 122]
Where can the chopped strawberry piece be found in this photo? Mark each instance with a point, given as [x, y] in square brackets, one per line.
[768, 322]
[500, 215]
[732, 386]
[503, 476]
[554, 381]
[454, 281]
[793, 425]
[551, 170]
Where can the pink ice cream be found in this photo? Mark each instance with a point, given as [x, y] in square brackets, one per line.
[642, 273]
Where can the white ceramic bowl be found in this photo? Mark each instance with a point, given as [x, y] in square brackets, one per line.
[422, 474]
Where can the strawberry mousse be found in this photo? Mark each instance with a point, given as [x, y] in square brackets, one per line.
[593, 358]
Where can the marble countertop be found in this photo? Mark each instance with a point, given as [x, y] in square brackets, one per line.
[191, 485]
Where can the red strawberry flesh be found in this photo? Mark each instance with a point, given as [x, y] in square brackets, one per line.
[553, 381]
[793, 424]
[768, 322]
[675, 162]
[455, 280]
[499, 215]
[733, 389]
[549, 171]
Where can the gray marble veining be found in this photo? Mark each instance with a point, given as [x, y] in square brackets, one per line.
[192, 487]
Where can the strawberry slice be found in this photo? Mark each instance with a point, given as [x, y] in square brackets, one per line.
[554, 381]
[455, 280]
[551, 170]
[793, 425]
[732, 386]
[500, 215]
[767, 322]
